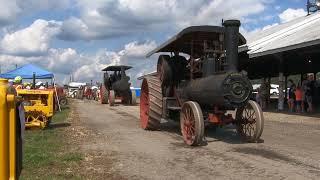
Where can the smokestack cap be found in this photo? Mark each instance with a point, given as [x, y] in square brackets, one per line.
[231, 23]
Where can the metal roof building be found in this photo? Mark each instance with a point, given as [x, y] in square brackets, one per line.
[291, 48]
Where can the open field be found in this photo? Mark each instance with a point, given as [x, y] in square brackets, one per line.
[47, 153]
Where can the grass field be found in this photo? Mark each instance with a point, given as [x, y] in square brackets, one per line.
[47, 154]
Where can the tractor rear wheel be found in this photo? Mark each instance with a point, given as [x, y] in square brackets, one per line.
[111, 98]
[165, 74]
[150, 103]
[192, 123]
[250, 121]
[103, 95]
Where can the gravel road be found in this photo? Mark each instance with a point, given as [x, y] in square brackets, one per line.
[117, 148]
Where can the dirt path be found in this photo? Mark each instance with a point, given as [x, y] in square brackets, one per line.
[117, 148]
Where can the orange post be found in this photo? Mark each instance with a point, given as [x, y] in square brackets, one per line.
[12, 135]
[8, 130]
[4, 131]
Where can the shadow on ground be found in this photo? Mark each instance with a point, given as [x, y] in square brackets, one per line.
[58, 125]
[212, 134]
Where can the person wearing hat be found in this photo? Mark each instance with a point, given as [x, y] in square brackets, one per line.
[17, 82]
[27, 85]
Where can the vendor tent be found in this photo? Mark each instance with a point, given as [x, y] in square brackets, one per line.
[27, 71]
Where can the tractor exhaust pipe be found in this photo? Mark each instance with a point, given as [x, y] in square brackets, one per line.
[231, 43]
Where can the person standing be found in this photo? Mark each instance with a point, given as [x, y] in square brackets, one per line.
[309, 92]
[304, 88]
[291, 98]
[298, 94]
[264, 94]
[258, 99]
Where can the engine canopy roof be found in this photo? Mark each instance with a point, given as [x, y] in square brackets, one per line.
[116, 68]
[193, 37]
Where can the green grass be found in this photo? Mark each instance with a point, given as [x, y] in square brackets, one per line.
[47, 154]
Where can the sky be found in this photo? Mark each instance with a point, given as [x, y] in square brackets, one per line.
[78, 38]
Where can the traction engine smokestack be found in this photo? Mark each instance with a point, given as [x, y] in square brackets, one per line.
[231, 43]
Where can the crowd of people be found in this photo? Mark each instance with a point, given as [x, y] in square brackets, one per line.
[300, 96]
[18, 84]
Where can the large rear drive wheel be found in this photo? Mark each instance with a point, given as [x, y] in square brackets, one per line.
[112, 98]
[150, 103]
[192, 123]
[165, 75]
[103, 95]
[250, 121]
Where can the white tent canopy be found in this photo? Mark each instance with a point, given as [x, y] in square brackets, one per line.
[76, 84]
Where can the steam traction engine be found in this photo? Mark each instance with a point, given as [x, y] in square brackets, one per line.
[202, 88]
[116, 86]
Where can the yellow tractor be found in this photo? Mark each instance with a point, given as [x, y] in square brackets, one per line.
[38, 105]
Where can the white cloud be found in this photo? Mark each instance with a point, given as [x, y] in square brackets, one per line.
[136, 49]
[66, 62]
[33, 40]
[59, 61]
[270, 26]
[10, 10]
[63, 61]
[133, 54]
[290, 14]
[101, 19]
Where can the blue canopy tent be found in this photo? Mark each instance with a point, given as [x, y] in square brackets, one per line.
[27, 71]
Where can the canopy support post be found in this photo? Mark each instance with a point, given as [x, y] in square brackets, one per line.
[281, 82]
[286, 87]
[57, 98]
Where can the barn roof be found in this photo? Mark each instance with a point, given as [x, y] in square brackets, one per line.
[299, 33]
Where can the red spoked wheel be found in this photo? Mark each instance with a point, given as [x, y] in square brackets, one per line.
[111, 98]
[150, 103]
[192, 123]
[250, 121]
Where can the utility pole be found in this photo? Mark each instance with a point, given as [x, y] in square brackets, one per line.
[313, 6]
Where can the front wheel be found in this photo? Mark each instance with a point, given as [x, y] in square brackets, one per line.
[192, 123]
[111, 98]
[103, 95]
[250, 121]
[133, 97]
